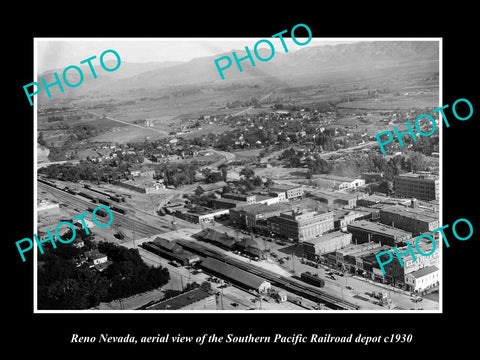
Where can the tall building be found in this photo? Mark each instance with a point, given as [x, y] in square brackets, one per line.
[417, 185]
[301, 225]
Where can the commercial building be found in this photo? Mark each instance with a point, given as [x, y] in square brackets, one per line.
[341, 182]
[414, 219]
[246, 198]
[417, 185]
[292, 192]
[301, 225]
[423, 279]
[395, 273]
[341, 254]
[315, 247]
[224, 203]
[347, 200]
[247, 216]
[365, 231]
[201, 217]
[344, 217]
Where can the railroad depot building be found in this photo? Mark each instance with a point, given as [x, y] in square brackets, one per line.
[234, 275]
[421, 186]
[301, 226]
[365, 231]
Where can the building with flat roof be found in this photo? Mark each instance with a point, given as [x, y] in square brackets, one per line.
[423, 279]
[416, 220]
[292, 192]
[365, 231]
[395, 273]
[225, 203]
[417, 185]
[342, 182]
[247, 216]
[343, 217]
[340, 254]
[301, 226]
[247, 198]
[348, 200]
[329, 242]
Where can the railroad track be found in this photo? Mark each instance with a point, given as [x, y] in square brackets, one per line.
[83, 204]
[291, 285]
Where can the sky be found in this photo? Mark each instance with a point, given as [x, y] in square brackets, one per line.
[58, 53]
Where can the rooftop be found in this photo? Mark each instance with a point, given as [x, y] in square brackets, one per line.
[379, 228]
[325, 237]
[282, 187]
[181, 300]
[214, 186]
[424, 271]
[422, 214]
[264, 208]
[351, 249]
[335, 178]
[425, 176]
[233, 273]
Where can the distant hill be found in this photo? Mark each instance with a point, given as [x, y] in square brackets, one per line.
[310, 59]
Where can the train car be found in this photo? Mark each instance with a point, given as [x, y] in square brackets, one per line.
[86, 195]
[119, 209]
[312, 279]
[71, 191]
[103, 201]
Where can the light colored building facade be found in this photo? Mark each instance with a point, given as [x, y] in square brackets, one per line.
[423, 279]
[326, 243]
[301, 226]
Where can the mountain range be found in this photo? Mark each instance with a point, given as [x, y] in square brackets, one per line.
[310, 59]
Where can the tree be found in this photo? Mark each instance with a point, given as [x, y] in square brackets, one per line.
[247, 172]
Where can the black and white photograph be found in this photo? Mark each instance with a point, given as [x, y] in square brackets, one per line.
[241, 182]
[266, 190]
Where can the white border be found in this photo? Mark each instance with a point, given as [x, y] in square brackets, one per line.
[247, 43]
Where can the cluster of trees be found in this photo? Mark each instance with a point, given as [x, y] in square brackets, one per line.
[178, 174]
[62, 285]
[215, 176]
[248, 181]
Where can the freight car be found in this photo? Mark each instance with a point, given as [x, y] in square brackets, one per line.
[312, 279]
